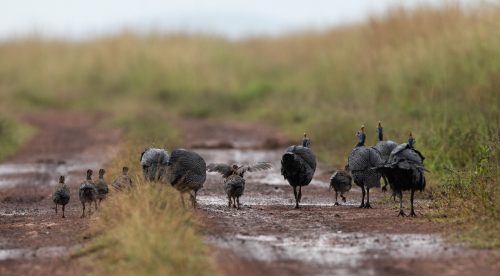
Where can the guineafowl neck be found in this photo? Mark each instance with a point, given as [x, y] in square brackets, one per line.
[89, 177]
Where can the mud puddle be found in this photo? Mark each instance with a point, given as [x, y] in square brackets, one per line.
[267, 229]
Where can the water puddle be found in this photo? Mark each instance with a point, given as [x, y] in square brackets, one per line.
[336, 249]
[39, 173]
[30, 253]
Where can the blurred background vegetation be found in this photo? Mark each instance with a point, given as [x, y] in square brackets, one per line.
[435, 72]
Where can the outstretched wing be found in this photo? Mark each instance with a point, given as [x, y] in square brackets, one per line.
[221, 168]
[254, 168]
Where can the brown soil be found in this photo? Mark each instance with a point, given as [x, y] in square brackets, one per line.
[266, 237]
[66, 143]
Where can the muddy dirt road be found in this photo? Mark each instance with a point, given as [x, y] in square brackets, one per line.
[269, 237]
[266, 237]
[33, 239]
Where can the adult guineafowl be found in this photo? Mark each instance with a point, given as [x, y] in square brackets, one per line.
[361, 162]
[154, 163]
[88, 193]
[234, 183]
[298, 165]
[123, 181]
[340, 182]
[405, 171]
[61, 194]
[101, 186]
[186, 171]
[385, 148]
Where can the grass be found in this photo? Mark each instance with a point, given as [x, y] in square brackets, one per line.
[146, 231]
[431, 71]
[13, 134]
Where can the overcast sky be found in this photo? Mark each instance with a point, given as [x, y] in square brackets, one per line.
[80, 19]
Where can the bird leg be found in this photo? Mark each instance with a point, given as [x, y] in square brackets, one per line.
[296, 198]
[343, 197]
[230, 202]
[192, 195]
[362, 197]
[412, 212]
[95, 203]
[401, 212]
[367, 205]
[238, 202]
[83, 211]
[384, 188]
[234, 202]
[336, 201]
[56, 208]
[63, 211]
[300, 193]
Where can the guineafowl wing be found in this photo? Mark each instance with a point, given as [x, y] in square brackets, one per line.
[385, 148]
[363, 158]
[224, 169]
[187, 167]
[254, 168]
[305, 154]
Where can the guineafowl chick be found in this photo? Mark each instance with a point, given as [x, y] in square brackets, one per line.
[298, 165]
[186, 172]
[101, 186]
[340, 182]
[234, 183]
[123, 181]
[61, 194]
[88, 193]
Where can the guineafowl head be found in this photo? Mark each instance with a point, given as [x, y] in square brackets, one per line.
[89, 174]
[305, 135]
[102, 172]
[235, 167]
[125, 170]
[61, 179]
[362, 128]
[379, 124]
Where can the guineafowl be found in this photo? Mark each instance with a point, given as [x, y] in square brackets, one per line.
[88, 193]
[385, 148]
[405, 171]
[234, 183]
[340, 182]
[123, 181]
[361, 162]
[101, 186]
[298, 165]
[154, 162]
[186, 172]
[61, 194]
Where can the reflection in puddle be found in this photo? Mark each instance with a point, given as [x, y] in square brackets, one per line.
[335, 249]
[29, 253]
[13, 174]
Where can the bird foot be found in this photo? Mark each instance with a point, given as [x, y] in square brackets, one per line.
[401, 213]
[367, 206]
[297, 206]
[336, 204]
[343, 199]
[384, 189]
[362, 205]
[412, 214]
[63, 216]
